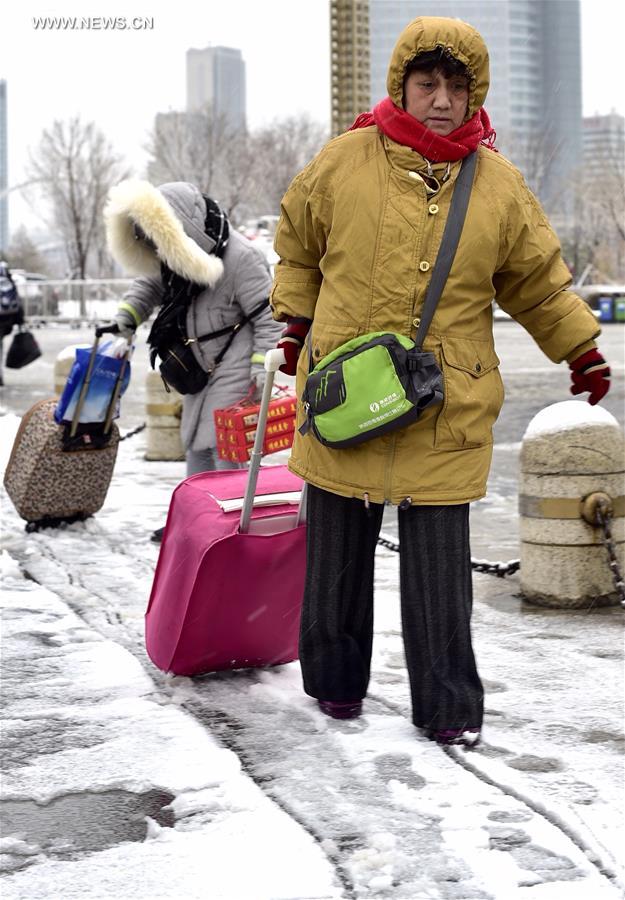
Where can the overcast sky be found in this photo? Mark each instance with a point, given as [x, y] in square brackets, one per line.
[121, 79]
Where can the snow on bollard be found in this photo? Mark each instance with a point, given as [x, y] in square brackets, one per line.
[63, 364]
[570, 451]
[163, 412]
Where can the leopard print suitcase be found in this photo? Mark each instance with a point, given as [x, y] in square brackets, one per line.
[46, 482]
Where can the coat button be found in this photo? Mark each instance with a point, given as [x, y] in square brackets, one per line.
[424, 265]
[433, 209]
[478, 367]
[416, 322]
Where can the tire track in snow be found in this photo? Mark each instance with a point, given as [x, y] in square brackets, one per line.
[298, 759]
[554, 818]
[223, 726]
[592, 853]
[109, 623]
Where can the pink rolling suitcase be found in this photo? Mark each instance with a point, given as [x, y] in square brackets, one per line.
[228, 586]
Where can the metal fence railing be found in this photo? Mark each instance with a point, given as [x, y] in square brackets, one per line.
[64, 300]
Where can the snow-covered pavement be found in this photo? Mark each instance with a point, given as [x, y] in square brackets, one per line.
[113, 790]
[122, 782]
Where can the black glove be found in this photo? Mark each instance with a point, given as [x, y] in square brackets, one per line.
[107, 328]
[122, 325]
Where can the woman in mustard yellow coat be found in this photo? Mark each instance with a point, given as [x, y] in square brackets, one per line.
[359, 233]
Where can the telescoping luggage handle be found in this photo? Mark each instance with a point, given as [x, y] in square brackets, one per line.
[273, 360]
[84, 390]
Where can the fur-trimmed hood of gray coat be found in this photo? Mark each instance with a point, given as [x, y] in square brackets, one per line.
[172, 217]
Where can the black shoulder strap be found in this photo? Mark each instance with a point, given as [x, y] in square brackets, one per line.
[232, 330]
[449, 244]
[256, 311]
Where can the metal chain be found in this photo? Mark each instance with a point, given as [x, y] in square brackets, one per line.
[387, 542]
[499, 569]
[604, 518]
[133, 432]
[601, 512]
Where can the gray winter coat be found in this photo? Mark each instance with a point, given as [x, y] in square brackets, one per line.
[172, 216]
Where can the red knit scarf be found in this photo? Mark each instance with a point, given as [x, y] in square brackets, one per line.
[403, 128]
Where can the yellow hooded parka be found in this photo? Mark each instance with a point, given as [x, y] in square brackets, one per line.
[357, 240]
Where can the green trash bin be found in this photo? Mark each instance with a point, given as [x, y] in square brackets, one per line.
[619, 309]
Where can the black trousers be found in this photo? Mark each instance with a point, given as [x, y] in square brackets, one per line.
[436, 600]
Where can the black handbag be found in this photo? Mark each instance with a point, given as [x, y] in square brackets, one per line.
[181, 371]
[24, 349]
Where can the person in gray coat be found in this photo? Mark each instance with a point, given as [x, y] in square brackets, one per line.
[175, 235]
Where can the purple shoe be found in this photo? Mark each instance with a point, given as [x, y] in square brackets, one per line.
[341, 709]
[467, 737]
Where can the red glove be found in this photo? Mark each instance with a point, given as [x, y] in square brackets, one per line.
[590, 372]
[292, 341]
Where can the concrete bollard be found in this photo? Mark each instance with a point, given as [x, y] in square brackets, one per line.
[63, 364]
[570, 451]
[163, 412]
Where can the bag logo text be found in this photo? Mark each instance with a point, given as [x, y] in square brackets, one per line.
[376, 406]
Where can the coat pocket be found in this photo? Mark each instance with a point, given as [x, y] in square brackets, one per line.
[473, 394]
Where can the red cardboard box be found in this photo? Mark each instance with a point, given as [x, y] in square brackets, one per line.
[235, 427]
[229, 437]
[238, 453]
[241, 416]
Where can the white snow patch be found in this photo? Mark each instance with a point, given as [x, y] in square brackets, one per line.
[10, 424]
[375, 864]
[568, 414]
[9, 569]
[17, 845]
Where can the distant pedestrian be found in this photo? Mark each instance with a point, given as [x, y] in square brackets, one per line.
[211, 286]
[11, 310]
[360, 230]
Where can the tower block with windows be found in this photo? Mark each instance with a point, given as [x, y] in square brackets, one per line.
[350, 61]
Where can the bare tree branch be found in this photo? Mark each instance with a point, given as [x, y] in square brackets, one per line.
[595, 234]
[74, 167]
[189, 146]
[247, 173]
[284, 148]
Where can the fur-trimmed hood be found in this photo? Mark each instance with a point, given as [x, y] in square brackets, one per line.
[173, 217]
